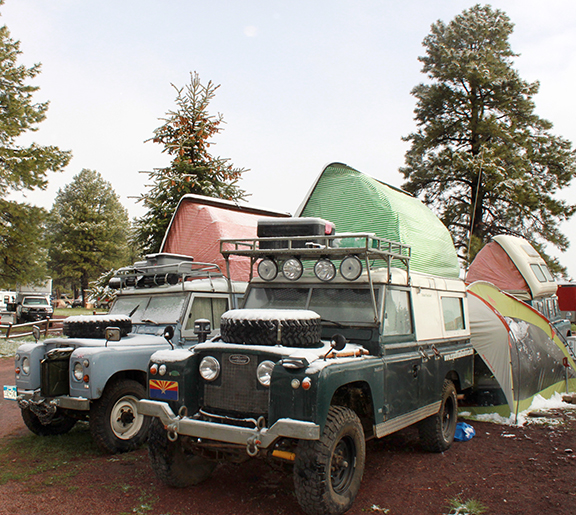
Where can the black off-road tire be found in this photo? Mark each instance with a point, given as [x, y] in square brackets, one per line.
[437, 432]
[300, 329]
[115, 423]
[94, 326]
[328, 472]
[59, 425]
[172, 463]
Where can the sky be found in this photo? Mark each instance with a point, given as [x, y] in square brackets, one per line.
[302, 83]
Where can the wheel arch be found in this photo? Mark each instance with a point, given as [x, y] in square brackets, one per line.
[453, 376]
[357, 396]
[136, 375]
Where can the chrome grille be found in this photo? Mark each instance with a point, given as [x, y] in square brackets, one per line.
[238, 390]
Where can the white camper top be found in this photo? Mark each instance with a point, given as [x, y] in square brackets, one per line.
[530, 264]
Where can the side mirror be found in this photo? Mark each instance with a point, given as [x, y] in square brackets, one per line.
[338, 342]
[36, 332]
[169, 334]
[112, 334]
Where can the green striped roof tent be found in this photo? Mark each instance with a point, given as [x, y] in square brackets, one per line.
[355, 202]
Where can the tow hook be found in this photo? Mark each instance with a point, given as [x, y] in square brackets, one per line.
[171, 432]
[252, 446]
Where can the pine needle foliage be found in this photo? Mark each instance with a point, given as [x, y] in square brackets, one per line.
[22, 167]
[88, 231]
[480, 157]
[186, 136]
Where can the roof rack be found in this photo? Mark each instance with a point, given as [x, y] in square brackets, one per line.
[161, 269]
[366, 246]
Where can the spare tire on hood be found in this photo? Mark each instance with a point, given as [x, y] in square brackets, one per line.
[288, 327]
[94, 326]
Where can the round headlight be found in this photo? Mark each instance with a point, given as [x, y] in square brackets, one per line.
[292, 269]
[209, 368]
[351, 268]
[264, 372]
[26, 366]
[78, 371]
[267, 269]
[325, 270]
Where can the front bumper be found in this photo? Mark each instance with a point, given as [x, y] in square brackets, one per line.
[27, 397]
[253, 438]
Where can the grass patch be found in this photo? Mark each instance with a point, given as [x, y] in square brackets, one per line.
[470, 507]
[30, 455]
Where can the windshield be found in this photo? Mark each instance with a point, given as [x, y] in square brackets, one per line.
[336, 304]
[159, 309]
[35, 301]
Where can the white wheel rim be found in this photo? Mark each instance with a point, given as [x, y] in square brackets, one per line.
[124, 418]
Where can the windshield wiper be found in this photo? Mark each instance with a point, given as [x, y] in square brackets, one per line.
[148, 321]
[134, 310]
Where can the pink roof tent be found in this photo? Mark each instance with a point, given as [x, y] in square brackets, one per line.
[200, 222]
[513, 265]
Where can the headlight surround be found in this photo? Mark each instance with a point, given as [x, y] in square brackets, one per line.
[78, 371]
[209, 368]
[26, 365]
[264, 372]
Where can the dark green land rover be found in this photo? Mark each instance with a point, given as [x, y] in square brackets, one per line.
[337, 342]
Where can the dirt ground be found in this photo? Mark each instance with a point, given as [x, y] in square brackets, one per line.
[525, 470]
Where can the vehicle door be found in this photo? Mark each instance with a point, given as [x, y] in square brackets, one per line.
[208, 306]
[402, 358]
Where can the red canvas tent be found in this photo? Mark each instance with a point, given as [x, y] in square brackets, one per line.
[200, 222]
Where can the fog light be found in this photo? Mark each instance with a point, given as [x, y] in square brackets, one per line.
[162, 369]
[295, 383]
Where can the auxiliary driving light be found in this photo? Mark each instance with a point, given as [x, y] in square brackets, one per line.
[267, 269]
[325, 270]
[292, 269]
[351, 268]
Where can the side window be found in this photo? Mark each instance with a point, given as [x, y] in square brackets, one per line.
[538, 273]
[397, 314]
[453, 312]
[210, 308]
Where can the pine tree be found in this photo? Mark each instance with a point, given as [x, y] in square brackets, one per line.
[88, 231]
[22, 258]
[186, 136]
[481, 157]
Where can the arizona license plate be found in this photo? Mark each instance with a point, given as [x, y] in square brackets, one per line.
[10, 392]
